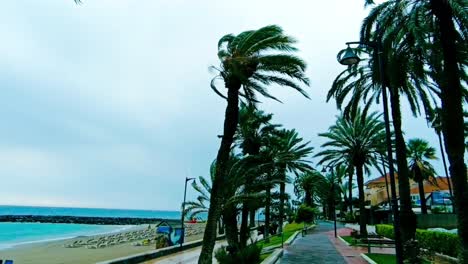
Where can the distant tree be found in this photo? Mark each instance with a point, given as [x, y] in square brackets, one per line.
[419, 156]
[359, 139]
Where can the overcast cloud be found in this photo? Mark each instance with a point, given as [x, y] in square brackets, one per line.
[108, 104]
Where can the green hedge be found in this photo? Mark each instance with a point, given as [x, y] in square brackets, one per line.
[444, 243]
[385, 231]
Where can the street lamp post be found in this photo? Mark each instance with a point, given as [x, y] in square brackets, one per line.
[183, 211]
[350, 58]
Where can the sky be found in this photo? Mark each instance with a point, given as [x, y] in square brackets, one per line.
[107, 104]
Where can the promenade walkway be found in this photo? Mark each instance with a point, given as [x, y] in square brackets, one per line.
[313, 248]
[184, 257]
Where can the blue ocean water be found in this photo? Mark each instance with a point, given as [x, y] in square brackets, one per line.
[12, 234]
[68, 211]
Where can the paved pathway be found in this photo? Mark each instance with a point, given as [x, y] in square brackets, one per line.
[313, 248]
[185, 257]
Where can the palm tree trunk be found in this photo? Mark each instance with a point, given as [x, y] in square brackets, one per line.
[386, 180]
[220, 227]
[350, 189]
[230, 126]
[252, 218]
[362, 205]
[266, 231]
[422, 196]
[408, 218]
[244, 230]
[452, 118]
[230, 217]
[442, 151]
[308, 198]
[281, 203]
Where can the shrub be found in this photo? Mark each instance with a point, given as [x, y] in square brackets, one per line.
[350, 218]
[385, 231]
[162, 242]
[305, 214]
[440, 242]
[444, 243]
[249, 255]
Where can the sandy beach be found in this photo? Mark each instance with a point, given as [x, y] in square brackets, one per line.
[72, 251]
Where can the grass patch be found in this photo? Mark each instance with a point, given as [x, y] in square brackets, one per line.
[357, 243]
[386, 258]
[351, 240]
[264, 256]
[288, 231]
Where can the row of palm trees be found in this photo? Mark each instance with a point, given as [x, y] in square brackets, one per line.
[424, 50]
[255, 59]
[262, 156]
[249, 63]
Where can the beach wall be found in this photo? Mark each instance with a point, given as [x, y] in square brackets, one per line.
[154, 254]
[86, 220]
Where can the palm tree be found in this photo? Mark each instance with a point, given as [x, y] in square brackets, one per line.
[435, 119]
[254, 127]
[249, 62]
[361, 84]
[329, 192]
[447, 14]
[306, 185]
[234, 194]
[419, 156]
[357, 138]
[289, 153]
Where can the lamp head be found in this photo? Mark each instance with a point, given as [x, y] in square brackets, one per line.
[349, 57]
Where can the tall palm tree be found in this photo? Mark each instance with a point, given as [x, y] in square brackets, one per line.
[306, 186]
[250, 62]
[419, 156]
[234, 195]
[358, 138]
[435, 119]
[289, 155]
[361, 84]
[254, 127]
[329, 192]
[447, 14]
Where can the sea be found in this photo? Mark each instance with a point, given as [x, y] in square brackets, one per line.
[13, 234]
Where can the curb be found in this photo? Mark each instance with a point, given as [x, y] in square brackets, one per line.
[344, 241]
[366, 258]
[291, 238]
[454, 260]
[273, 258]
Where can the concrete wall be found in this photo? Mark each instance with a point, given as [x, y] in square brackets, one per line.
[153, 254]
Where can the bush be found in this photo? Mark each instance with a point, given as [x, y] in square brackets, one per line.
[162, 242]
[440, 242]
[350, 218]
[305, 214]
[249, 255]
[444, 243]
[385, 231]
